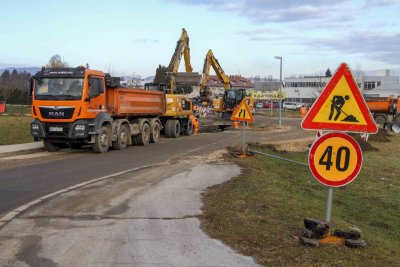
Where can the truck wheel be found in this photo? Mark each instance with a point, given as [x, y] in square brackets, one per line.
[190, 129]
[397, 119]
[380, 120]
[50, 147]
[102, 141]
[172, 129]
[168, 127]
[122, 139]
[143, 138]
[155, 133]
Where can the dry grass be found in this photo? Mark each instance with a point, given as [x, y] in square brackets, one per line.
[15, 129]
[260, 213]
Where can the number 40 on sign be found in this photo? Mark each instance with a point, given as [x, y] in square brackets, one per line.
[335, 159]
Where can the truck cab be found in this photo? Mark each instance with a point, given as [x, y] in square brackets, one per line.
[65, 103]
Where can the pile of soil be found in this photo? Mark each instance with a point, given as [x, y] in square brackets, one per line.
[382, 136]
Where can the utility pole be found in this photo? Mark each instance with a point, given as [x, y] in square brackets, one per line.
[280, 91]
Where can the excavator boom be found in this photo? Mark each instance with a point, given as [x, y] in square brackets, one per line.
[211, 61]
[182, 47]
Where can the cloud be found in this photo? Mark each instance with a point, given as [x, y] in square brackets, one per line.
[145, 41]
[261, 11]
[381, 3]
[379, 46]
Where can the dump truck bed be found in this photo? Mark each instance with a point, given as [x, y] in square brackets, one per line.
[135, 102]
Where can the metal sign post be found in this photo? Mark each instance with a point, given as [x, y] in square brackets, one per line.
[244, 141]
[329, 204]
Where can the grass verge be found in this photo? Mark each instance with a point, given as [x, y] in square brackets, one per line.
[18, 109]
[260, 213]
[15, 129]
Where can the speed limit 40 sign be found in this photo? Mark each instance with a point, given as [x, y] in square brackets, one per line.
[335, 159]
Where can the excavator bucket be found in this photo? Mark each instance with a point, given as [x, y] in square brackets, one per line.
[187, 78]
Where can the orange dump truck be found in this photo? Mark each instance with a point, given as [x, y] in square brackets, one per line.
[77, 106]
[384, 109]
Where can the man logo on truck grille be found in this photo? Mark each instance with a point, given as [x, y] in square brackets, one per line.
[56, 113]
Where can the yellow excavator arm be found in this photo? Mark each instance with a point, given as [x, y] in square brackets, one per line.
[182, 47]
[211, 61]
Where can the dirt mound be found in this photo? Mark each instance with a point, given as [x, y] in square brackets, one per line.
[382, 136]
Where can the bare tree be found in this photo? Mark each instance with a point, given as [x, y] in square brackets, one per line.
[136, 80]
[56, 62]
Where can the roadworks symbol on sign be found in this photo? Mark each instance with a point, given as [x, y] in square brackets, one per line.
[242, 113]
[340, 107]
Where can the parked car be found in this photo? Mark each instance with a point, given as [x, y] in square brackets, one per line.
[271, 105]
[292, 105]
[259, 105]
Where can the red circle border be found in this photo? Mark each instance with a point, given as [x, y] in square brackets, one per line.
[352, 176]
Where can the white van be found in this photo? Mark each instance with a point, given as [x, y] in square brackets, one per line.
[292, 105]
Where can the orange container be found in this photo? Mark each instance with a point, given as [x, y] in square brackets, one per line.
[379, 104]
[135, 102]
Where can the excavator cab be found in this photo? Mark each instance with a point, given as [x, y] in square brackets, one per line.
[233, 97]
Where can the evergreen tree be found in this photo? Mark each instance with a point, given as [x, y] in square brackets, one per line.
[328, 73]
[161, 72]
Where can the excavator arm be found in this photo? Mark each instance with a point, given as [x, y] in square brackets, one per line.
[211, 61]
[182, 47]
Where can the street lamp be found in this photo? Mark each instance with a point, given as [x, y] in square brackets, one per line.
[280, 91]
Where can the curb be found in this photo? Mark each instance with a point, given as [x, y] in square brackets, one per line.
[21, 152]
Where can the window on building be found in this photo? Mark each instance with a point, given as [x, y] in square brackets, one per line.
[369, 85]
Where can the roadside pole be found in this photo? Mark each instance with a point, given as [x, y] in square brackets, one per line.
[329, 204]
[244, 139]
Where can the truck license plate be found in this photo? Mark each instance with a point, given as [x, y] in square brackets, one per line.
[55, 129]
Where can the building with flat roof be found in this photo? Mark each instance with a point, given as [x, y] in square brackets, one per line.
[307, 88]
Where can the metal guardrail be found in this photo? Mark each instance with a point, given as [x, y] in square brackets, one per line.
[277, 157]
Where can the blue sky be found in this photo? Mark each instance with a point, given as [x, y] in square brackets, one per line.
[127, 37]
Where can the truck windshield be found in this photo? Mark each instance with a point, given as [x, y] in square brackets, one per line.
[58, 88]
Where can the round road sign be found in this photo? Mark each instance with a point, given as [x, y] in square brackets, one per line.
[335, 159]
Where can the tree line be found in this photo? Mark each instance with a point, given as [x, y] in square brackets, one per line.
[14, 87]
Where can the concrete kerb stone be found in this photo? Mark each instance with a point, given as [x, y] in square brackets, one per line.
[20, 149]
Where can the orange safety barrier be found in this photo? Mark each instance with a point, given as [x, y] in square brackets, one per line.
[2, 107]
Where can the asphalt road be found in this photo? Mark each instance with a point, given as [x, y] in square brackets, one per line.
[22, 184]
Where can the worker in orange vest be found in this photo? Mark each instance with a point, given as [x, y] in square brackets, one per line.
[236, 124]
[195, 123]
[303, 111]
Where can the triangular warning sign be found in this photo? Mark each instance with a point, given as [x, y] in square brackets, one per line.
[242, 113]
[340, 107]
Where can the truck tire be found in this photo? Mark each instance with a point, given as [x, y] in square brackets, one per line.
[102, 141]
[172, 129]
[143, 138]
[380, 120]
[122, 139]
[396, 120]
[190, 128]
[50, 147]
[168, 126]
[155, 133]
